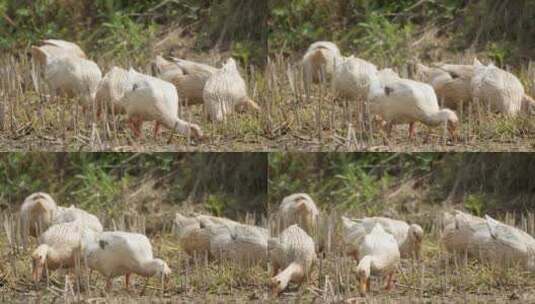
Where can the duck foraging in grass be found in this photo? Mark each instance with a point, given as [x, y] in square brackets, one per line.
[115, 253]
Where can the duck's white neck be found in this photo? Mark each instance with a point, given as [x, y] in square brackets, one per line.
[364, 267]
[294, 271]
[149, 268]
[437, 118]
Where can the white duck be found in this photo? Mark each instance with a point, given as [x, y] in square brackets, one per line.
[115, 253]
[56, 48]
[387, 75]
[379, 256]
[460, 232]
[225, 91]
[165, 69]
[111, 90]
[320, 57]
[451, 219]
[299, 208]
[352, 77]
[242, 244]
[490, 240]
[194, 76]
[408, 101]
[70, 75]
[37, 213]
[499, 89]
[59, 247]
[452, 83]
[512, 244]
[293, 250]
[409, 237]
[73, 214]
[150, 98]
[193, 238]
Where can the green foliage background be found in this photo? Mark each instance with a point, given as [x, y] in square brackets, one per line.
[118, 28]
[224, 183]
[386, 31]
[482, 182]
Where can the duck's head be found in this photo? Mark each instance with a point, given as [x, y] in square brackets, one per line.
[276, 286]
[39, 257]
[196, 131]
[452, 122]
[162, 269]
[416, 233]
[363, 274]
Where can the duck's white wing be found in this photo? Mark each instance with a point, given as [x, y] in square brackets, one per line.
[506, 235]
[194, 68]
[67, 46]
[126, 245]
[355, 231]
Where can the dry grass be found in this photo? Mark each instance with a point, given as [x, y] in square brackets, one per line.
[436, 278]
[30, 119]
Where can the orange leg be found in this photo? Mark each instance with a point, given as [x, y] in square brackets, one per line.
[412, 130]
[389, 281]
[127, 280]
[156, 128]
[135, 125]
[108, 284]
[364, 286]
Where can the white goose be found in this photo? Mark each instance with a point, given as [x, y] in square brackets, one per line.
[293, 251]
[70, 75]
[408, 101]
[73, 214]
[56, 48]
[194, 76]
[387, 75]
[225, 91]
[379, 255]
[299, 208]
[111, 90]
[165, 69]
[352, 77]
[512, 244]
[452, 83]
[193, 237]
[59, 247]
[490, 240]
[242, 244]
[115, 253]
[37, 213]
[320, 57]
[150, 98]
[194, 240]
[499, 89]
[408, 237]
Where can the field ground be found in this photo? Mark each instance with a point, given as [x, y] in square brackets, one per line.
[31, 119]
[334, 279]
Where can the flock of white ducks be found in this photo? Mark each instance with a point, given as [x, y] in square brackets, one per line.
[142, 97]
[391, 99]
[488, 239]
[68, 237]
[398, 101]
[71, 237]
